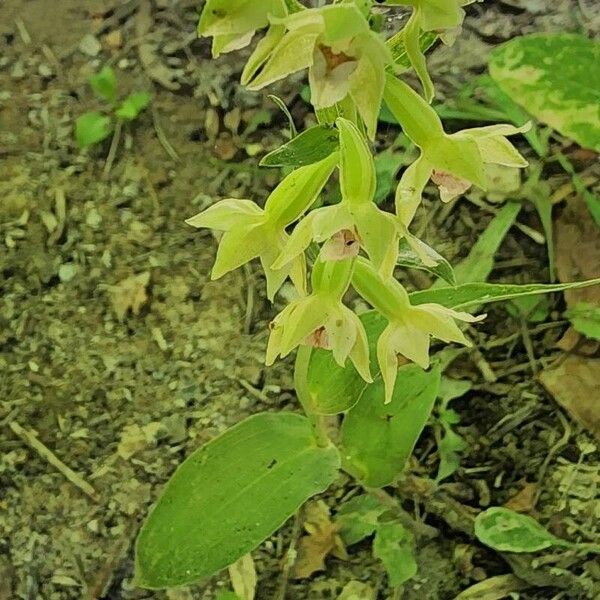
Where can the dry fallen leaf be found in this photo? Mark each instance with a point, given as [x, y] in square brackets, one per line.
[322, 540]
[357, 590]
[243, 577]
[524, 500]
[130, 294]
[135, 438]
[578, 251]
[575, 385]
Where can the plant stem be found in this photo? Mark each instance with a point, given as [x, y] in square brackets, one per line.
[302, 392]
[114, 144]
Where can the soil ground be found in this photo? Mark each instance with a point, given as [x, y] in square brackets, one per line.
[121, 356]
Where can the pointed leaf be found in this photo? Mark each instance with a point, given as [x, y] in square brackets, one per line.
[133, 105]
[434, 263]
[358, 518]
[228, 496]
[508, 531]
[104, 83]
[91, 128]
[309, 147]
[378, 438]
[394, 546]
[474, 294]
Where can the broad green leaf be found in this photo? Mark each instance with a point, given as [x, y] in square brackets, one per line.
[309, 147]
[133, 105]
[334, 389]
[478, 265]
[451, 389]
[508, 531]
[450, 447]
[436, 264]
[358, 518]
[585, 318]
[533, 309]
[104, 83]
[228, 496]
[226, 595]
[556, 78]
[378, 438]
[91, 128]
[394, 547]
[474, 294]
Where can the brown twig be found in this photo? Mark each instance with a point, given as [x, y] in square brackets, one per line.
[52, 459]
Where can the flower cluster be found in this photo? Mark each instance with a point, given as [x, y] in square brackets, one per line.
[349, 67]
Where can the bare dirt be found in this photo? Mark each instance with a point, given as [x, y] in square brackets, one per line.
[120, 356]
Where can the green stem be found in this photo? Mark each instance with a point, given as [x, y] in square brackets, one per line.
[302, 392]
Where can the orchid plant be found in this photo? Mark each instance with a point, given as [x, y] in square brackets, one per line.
[235, 491]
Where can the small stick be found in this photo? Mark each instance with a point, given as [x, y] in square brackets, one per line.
[114, 144]
[290, 557]
[162, 138]
[50, 457]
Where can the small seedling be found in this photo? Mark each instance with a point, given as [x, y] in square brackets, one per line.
[93, 127]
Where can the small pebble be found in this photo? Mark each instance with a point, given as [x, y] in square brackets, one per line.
[90, 45]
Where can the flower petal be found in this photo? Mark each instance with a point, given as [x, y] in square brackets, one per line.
[342, 334]
[328, 86]
[293, 53]
[357, 167]
[298, 190]
[239, 246]
[309, 314]
[460, 155]
[229, 43]
[410, 189]
[341, 245]
[359, 355]
[318, 225]
[368, 80]
[227, 214]
[412, 44]
[378, 235]
[261, 53]
[450, 187]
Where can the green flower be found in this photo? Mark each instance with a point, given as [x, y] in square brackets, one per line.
[409, 327]
[321, 320]
[343, 56]
[232, 23]
[443, 17]
[376, 231]
[252, 232]
[453, 161]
